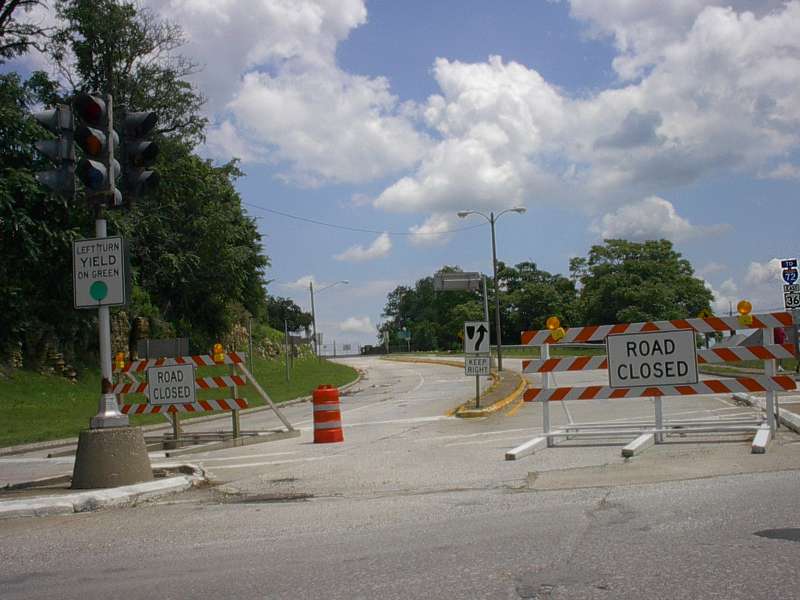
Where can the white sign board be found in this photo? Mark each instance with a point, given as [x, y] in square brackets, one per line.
[791, 285]
[476, 365]
[456, 281]
[98, 272]
[476, 337]
[171, 385]
[653, 358]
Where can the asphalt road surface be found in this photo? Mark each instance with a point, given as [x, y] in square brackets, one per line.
[416, 504]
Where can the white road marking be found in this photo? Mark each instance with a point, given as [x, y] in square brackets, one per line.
[199, 458]
[273, 462]
[346, 425]
[470, 435]
[493, 440]
[61, 460]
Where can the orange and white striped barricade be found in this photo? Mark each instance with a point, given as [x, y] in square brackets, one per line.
[236, 361]
[327, 416]
[769, 383]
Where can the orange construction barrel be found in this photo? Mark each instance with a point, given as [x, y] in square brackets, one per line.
[327, 418]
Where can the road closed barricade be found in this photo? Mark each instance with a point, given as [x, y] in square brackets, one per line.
[656, 359]
[171, 388]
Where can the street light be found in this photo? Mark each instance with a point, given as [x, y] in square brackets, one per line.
[313, 314]
[492, 218]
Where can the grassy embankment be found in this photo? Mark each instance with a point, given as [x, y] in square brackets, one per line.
[35, 407]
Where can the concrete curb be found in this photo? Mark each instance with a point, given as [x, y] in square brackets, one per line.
[432, 361]
[471, 413]
[788, 418]
[34, 446]
[128, 495]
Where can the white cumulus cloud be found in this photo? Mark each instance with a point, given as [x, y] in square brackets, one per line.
[377, 249]
[357, 325]
[650, 219]
[764, 273]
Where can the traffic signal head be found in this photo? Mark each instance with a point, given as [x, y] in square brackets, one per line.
[60, 150]
[138, 153]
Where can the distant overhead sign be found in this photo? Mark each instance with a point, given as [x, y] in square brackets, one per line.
[654, 358]
[791, 287]
[476, 337]
[456, 281]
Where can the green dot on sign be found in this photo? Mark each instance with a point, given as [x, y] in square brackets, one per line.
[98, 290]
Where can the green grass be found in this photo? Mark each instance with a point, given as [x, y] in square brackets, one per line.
[35, 407]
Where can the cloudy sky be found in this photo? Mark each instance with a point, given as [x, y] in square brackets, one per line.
[622, 118]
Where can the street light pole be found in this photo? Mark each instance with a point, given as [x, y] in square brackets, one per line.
[313, 313]
[492, 219]
[496, 298]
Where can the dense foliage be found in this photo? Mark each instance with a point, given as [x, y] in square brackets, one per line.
[618, 282]
[197, 258]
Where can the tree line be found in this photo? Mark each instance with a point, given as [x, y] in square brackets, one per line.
[617, 282]
[198, 262]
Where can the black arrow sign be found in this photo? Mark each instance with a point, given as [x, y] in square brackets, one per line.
[481, 331]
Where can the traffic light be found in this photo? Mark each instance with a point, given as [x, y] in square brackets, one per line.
[138, 153]
[98, 169]
[60, 150]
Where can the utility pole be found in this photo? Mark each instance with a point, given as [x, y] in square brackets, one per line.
[313, 317]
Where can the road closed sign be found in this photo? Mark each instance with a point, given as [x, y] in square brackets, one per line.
[652, 359]
[173, 384]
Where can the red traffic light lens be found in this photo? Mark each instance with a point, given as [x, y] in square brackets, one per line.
[91, 109]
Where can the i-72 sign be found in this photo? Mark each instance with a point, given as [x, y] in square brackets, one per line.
[791, 287]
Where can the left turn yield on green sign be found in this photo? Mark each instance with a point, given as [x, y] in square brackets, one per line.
[100, 272]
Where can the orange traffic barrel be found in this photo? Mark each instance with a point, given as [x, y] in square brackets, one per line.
[327, 418]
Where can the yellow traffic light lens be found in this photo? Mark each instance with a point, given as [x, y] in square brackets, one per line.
[744, 307]
[553, 323]
[93, 145]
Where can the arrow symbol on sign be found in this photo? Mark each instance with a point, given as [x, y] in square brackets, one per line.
[481, 332]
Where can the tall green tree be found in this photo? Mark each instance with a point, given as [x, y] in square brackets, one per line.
[624, 282]
[284, 310]
[121, 48]
[17, 36]
[531, 296]
[435, 319]
[196, 252]
[36, 231]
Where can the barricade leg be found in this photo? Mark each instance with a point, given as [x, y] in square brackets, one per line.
[235, 422]
[546, 402]
[659, 419]
[770, 369]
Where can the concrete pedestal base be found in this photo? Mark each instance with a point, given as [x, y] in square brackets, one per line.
[110, 458]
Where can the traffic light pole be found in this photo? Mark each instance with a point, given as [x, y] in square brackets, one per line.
[108, 414]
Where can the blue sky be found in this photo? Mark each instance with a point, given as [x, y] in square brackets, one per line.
[621, 118]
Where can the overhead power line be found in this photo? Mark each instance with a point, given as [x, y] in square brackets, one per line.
[358, 229]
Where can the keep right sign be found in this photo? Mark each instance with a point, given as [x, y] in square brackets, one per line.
[652, 359]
